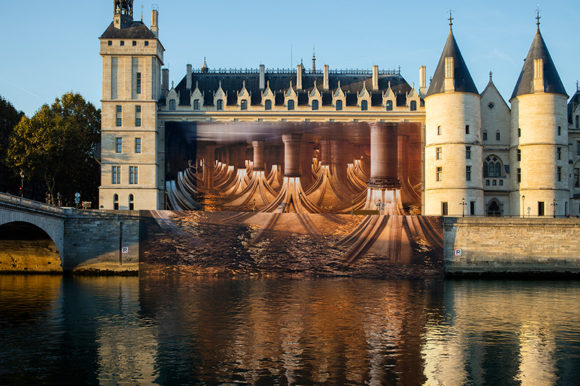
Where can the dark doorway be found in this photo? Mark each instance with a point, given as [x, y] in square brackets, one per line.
[493, 209]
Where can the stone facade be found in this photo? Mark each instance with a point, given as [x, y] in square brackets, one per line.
[513, 162]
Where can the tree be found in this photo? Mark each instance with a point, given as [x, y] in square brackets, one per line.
[58, 145]
[9, 118]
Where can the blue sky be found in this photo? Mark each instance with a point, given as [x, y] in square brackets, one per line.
[50, 48]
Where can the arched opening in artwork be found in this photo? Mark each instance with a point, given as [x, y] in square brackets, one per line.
[24, 247]
[494, 209]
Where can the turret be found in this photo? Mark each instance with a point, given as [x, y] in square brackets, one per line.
[539, 136]
[453, 151]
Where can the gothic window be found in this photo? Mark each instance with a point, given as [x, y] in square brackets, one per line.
[220, 104]
[485, 170]
[172, 105]
[315, 104]
[291, 104]
[364, 105]
[268, 104]
[196, 104]
[389, 105]
[492, 167]
[413, 105]
[244, 104]
[338, 105]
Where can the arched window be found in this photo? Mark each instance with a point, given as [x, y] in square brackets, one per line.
[116, 202]
[364, 105]
[220, 104]
[315, 104]
[196, 104]
[413, 105]
[389, 105]
[291, 104]
[338, 105]
[131, 202]
[244, 104]
[492, 167]
[172, 104]
[268, 104]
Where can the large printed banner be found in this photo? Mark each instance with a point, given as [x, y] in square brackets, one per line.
[295, 244]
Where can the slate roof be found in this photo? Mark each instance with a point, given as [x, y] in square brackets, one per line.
[231, 83]
[574, 101]
[552, 82]
[133, 30]
[463, 80]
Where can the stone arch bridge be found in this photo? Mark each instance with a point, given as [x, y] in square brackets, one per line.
[39, 237]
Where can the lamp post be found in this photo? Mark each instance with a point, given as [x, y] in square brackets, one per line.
[21, 183]
[463, 204]
[523, 205]
[554, 204]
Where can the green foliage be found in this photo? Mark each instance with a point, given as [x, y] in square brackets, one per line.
[9, 118]
[58, 146]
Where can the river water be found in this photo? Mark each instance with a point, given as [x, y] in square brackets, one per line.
[184, 330]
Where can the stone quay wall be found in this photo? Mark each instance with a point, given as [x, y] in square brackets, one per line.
[104, 242]
[511, 246]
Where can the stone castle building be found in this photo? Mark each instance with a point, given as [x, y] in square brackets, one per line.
[481, 156]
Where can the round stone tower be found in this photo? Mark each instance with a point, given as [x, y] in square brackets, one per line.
[453, 150]
[539, 137]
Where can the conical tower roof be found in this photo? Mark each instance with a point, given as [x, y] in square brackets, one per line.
[552, 82]
[463, 80]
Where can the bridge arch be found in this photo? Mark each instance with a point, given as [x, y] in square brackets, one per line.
[25, 246]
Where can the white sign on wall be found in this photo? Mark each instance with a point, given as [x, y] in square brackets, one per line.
[125, 250]
[459, 252]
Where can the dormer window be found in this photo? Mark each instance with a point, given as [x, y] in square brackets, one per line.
[172, 105]
[413, 105]
[291, 104]
[220, 104]
[315, 104]
[364, 105]
[196, 104]
[389, 105]
[268, 104]
[244, 104]
[338, 105]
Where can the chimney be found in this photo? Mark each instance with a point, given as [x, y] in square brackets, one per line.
[165, 80]
[262, 77]
[449, 74]
[422, 80]
[538, 75]
[188, 77]
[299, 77]
[375, 77]
[154, 22]
[325, 82]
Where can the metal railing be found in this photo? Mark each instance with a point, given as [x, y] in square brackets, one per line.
[291, 71]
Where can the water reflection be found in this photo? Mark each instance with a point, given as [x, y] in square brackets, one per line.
[168, 330]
